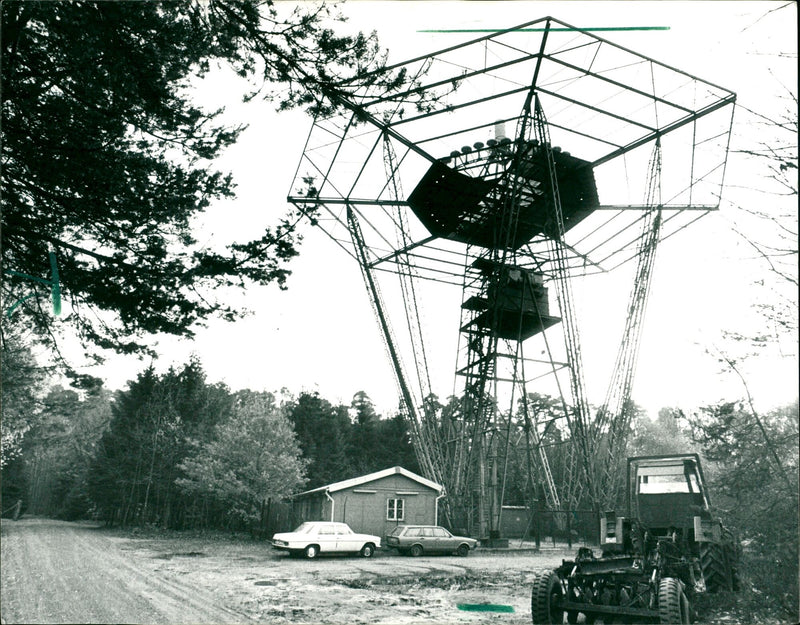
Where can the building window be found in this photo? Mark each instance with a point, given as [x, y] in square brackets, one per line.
[394, 510]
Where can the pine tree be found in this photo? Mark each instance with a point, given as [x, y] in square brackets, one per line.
[323, 432]
[132, 478]
[365, 451]
[106, 158]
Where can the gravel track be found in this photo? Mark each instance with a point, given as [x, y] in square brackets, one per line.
[59, 572]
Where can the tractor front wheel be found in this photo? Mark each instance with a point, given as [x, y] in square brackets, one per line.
[546, 597]
[673, 606]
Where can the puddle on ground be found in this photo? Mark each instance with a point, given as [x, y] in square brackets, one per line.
[185, 554]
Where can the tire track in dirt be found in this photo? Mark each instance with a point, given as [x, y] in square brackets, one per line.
[172, 595]
[56, 572]
[173, 578]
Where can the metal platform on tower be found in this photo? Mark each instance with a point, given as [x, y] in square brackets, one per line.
[454, 205]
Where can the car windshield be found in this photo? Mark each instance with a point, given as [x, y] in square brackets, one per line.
[304, 528]
[397, 530]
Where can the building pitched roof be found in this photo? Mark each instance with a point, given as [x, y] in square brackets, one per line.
[371, 477]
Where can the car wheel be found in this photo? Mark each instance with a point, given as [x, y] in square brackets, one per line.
[368, 550]
[463, 550]
[416, 550]
[312, 551]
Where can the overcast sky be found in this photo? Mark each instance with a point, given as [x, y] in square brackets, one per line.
[321, 335]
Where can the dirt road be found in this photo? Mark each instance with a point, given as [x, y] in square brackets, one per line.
[55, 572]
[58, 572]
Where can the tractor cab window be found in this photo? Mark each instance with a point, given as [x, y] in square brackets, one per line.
[658, 480]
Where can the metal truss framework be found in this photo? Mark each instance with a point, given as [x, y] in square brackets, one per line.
[503, 216]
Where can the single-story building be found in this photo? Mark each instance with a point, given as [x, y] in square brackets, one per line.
[373, 503]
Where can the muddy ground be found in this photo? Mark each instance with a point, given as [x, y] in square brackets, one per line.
[58, 572]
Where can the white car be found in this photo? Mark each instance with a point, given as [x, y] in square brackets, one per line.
[320, 537]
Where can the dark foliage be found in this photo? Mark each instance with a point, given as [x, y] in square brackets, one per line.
[757, 491]
[14, 486]
[106, 159]
[132, 477]
[322, 432]
[20, 380]
[58, 449]
[338, 448]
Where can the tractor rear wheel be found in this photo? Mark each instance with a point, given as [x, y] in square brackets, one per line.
[546, 595]
[673, 606]
[716, 567]
[733, 551]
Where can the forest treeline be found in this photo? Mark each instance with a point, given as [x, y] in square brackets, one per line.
[176, 450]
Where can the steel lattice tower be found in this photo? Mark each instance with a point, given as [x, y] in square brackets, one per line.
[607, 153]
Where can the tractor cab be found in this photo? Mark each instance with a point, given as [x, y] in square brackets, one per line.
[668, 492]
[654, 561]
[667, 497]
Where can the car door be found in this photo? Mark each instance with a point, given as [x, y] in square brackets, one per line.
[411, 536]
[428, 539]
[346, 540]
[443, 539]
[326, 537]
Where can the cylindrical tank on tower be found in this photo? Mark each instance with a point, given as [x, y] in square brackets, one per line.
[520, 290]
[499, 130]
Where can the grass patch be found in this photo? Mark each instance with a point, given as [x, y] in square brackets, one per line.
[154, 532]
[745, 606]
[768, 595]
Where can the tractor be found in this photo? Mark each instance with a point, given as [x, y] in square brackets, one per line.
[655, 559]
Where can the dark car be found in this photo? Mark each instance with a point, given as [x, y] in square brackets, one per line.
[419, 539]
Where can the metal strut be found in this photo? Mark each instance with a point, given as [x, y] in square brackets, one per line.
[429, 439]
[578, 419]
[531, 431]
[406, 272]
[613, 420]
[422, 444]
